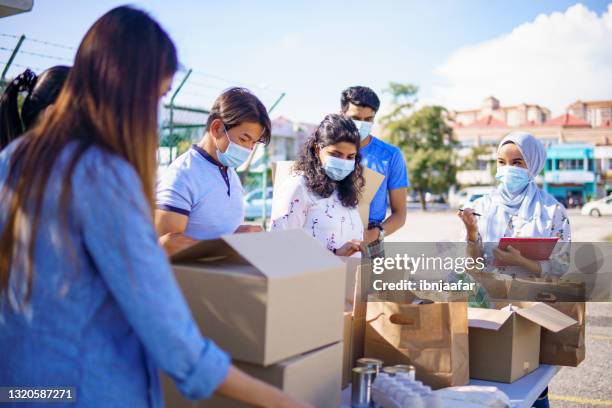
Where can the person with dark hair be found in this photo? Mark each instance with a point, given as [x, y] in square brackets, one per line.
[40, 95]
[200, 195]
[322, 194]
[360, 103]
[87, 296]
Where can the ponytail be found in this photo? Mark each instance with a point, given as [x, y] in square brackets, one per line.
[11, 125]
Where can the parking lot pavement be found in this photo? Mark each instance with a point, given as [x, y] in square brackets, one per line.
[443, 225]
[589, 384]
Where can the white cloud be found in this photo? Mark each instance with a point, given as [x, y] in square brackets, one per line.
[553, 61]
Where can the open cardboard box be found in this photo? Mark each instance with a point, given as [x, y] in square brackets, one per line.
[373, 180]
[354, 316]
[313, 377]
[504, 344]
[264, 297]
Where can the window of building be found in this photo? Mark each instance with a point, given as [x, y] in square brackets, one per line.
[571, 164]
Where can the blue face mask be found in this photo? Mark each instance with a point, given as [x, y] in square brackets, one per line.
[234, 155]
[363, 127]
[337, 169]
[513, 178]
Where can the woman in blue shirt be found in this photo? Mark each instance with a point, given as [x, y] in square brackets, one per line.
[87, 297]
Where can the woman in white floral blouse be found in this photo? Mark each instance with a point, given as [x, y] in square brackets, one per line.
[518, 208]
[322, 193]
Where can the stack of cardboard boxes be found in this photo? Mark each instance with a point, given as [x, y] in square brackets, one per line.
[273, 301]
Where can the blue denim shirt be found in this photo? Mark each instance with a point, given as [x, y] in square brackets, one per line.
[106, 312]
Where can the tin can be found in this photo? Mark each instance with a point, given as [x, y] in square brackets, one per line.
[406, 368]
[374, 363]
[361, 387]
[391, 371]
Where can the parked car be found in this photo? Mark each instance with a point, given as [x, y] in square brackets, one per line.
[598, 208]
[465, 197]
[253, 204]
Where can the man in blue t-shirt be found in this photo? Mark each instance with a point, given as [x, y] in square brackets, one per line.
[361, 104]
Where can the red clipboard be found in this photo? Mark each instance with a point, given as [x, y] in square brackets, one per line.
[536, 249]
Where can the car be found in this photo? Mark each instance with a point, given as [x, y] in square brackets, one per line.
[467, 196]
[253, 204]
[598, 208]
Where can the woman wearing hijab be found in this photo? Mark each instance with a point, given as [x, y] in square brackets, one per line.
[517, 208]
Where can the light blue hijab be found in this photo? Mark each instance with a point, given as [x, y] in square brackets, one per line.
[531, 205]
[534, 155]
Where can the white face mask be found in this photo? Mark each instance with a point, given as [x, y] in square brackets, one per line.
[234, 155]
[363, 127]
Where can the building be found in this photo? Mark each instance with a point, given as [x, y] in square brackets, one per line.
[596, 113]
[287, 138]
[516, 115]
[570, 172]
[487, 128]
[603, 167]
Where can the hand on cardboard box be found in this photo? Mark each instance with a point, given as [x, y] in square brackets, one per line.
[350, 247]
[174, 242]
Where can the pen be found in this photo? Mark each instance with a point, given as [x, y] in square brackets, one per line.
[474, 213]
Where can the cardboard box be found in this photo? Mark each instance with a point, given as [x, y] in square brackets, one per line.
[264, 297]
[313, 377]
[373, 180]
[504, 344]
[346, 349]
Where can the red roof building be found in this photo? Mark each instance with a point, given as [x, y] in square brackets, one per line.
[568, 120]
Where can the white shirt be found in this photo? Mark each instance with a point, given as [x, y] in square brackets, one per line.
[325, 219]
[210, 194]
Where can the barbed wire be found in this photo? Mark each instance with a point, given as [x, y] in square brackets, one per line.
[37, 54]
[52, 44]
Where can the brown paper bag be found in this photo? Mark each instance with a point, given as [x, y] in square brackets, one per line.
[543, 289]
[432, 337]
[567, 347]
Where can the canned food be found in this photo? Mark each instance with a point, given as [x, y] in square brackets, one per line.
[374, 363]
[361, 387]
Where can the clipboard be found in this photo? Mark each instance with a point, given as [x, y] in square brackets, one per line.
[536, 249]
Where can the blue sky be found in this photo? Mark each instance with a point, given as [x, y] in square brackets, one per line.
[313, 49]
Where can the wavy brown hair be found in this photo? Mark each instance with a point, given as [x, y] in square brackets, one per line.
[109, 101]
[332, 130]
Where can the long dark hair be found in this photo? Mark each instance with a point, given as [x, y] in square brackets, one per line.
[41, 91]
[332, 130]
[110, 101]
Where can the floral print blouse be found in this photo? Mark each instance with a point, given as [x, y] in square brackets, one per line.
[325, 219]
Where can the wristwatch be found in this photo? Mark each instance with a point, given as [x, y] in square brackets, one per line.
[381, 235]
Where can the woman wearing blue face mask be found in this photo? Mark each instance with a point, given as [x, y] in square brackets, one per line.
[518, 208]
[321, 195]
[200, 195]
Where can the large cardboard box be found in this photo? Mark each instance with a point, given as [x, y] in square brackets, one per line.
[373, 180]
[505, 344]
[264, 297]
[313, 377]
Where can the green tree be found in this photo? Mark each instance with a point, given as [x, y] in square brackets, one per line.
[426, 141]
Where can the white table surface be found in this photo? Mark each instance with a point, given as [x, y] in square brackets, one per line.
[522, 393]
